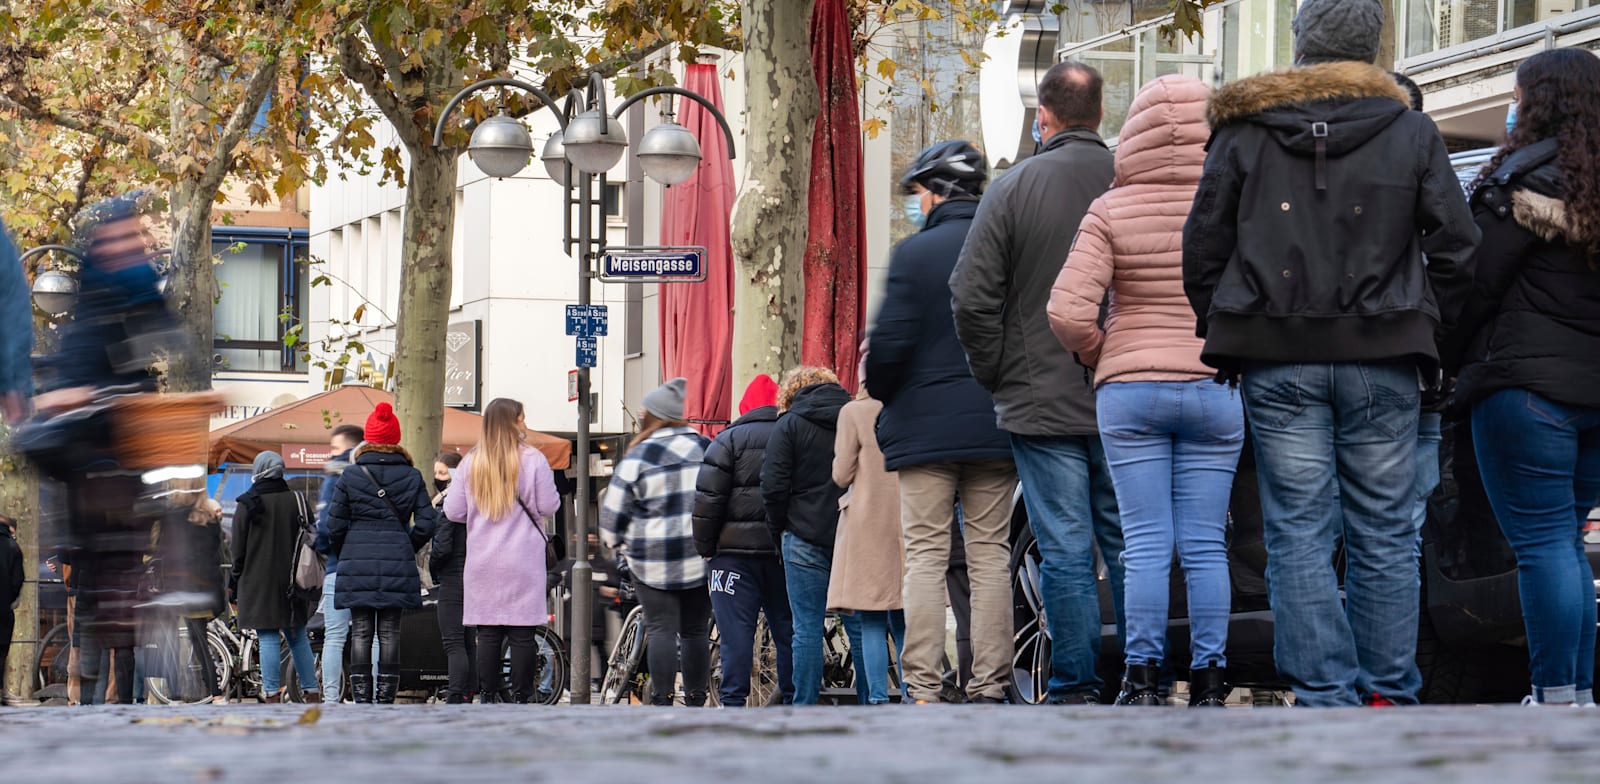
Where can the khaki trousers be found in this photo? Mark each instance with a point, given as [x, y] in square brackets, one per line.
[928, 495]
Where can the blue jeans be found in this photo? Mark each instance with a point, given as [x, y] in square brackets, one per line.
[1072, 505]
[1173, 448]
[1430, 427]
[336, 632]
[305, 666]
[1541, 468]
[869, 632]
[1336, 453]
[805, 572]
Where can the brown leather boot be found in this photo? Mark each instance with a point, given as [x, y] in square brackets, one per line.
[272, 699]
[311, 697]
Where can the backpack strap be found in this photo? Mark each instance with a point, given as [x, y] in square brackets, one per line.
[384, 494]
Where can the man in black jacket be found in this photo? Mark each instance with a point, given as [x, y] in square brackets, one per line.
[12, 572]
[730, 532]
[1304, 261]
[1043, 398]
[937, 431]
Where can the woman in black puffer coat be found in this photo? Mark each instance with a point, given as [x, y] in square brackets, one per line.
[378, 519]
[447, 562]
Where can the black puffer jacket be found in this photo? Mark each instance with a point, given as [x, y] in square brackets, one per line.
[729, 515]
[797, 475]
[933, 410]
[448, 558]
[377, 553]
[265, 525]
[1321, 194]
[1533, 319]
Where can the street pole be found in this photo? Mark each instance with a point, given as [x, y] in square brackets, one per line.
[582, 572]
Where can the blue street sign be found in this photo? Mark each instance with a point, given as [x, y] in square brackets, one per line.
[588, 352]
[647, 263]
[587, 320]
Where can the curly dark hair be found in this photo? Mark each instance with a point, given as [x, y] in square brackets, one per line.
[1561, 100]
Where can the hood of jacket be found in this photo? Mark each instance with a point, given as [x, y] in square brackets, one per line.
[1355, 100]
[1164, 138]
[820, 403]
[762, 414]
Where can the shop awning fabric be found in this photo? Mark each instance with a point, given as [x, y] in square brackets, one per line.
[300, 430]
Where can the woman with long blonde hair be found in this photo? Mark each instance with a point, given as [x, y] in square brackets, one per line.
[508, 488]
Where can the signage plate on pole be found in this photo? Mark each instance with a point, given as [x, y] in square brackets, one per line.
[588, 352]
[653, 264]
[587, 321]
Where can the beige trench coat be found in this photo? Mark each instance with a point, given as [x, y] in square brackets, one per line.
[869, 553]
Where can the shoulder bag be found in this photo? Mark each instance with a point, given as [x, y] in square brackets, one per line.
[553, 546]
[307, 567]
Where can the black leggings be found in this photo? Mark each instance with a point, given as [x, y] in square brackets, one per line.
[385, 623]
[524, 643]
[679, 628]
[460, 642]
[199, 643]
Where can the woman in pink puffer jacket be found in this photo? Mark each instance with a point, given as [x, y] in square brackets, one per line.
[1172, 434]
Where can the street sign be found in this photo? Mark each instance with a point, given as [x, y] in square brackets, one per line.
[588, 352]
[653, 264]
[587, 321]
[572, 386]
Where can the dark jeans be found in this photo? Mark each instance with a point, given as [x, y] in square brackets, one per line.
[1541, 467]
[742, 586]
[202, 652]
[365, 623]
[460, 642]
[524, 644]
[98, 663]
[8, 620]
[681, 617]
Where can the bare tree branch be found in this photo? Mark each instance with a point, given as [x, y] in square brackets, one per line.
[355, 64]
[239, 123]
[98, 126]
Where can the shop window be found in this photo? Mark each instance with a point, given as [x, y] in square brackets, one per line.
[263, 279]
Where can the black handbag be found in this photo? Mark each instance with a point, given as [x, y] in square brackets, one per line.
[554, 547]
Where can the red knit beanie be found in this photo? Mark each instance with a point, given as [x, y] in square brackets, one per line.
[382, 427]
[762, 392]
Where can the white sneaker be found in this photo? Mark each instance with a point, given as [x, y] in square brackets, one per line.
[1530, 701]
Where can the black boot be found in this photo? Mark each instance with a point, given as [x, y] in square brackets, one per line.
[1140, 685]
[388, 686]
[1208, 688]
[695, 699]
[361, 688]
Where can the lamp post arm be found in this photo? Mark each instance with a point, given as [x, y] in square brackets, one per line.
[438, 128]
[31, 252]
[691, 95]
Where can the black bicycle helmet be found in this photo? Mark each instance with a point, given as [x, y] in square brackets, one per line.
[949, 169]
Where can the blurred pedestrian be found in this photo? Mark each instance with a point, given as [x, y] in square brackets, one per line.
[730, 531]
[335, 620]
[1172, 434]
[1326, 248]
[266, 528]
[16, 334]
[649, 508]
[504, 492]
[189, 546]
[803, 509]
[938, 434]
[1023, 230]
[447, 560]
[1528, 347]
[869, 553]
[380, 516]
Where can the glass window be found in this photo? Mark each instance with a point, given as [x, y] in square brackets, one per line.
[1256, 37]
[1118, 67]
[261, 280]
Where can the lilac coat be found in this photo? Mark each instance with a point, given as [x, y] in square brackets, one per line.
[504, 580]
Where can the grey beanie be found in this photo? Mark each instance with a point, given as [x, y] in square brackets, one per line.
[267, 465]
[666, 401]
[1333, 30]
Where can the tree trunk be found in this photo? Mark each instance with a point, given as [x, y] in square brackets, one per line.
[1387, 49]
[425, 272]
[191, 290]
[19, 498]
[770, 218]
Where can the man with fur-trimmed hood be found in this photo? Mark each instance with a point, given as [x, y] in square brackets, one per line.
[1326, 249]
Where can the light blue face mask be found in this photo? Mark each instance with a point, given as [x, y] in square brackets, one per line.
[1511, 117]
[1037, 137]
[913, 207]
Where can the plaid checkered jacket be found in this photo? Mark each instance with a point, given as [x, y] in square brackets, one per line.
[649, 507]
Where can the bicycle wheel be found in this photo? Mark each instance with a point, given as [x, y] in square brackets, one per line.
[50, 666]
[622, 669]
[554, 669]
[186, 682]
[765, 688]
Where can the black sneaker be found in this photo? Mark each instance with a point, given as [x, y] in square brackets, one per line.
[984, 699]
[1086, 698]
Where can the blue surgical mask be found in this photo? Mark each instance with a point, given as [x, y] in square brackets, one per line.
[913, 207]
[1037, 137]
[1511, 117]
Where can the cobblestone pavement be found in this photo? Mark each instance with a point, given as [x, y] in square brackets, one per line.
[991, 744]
